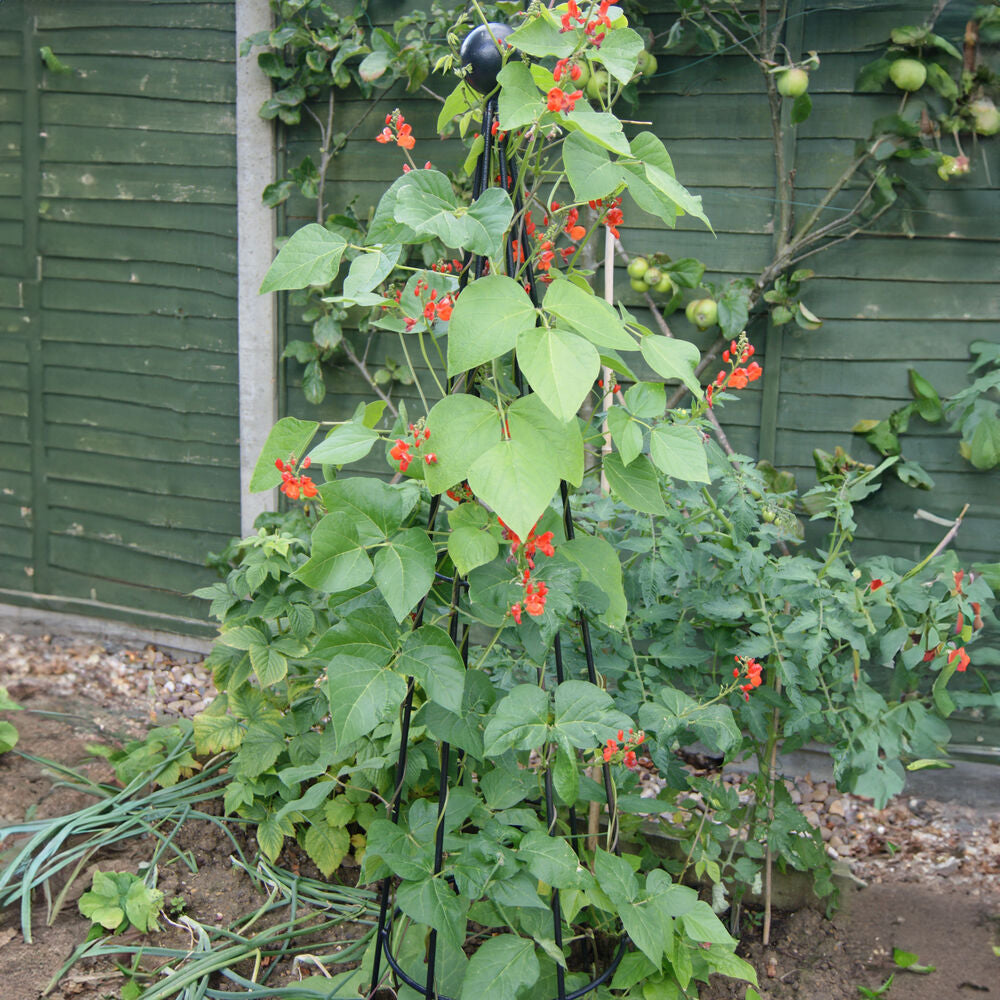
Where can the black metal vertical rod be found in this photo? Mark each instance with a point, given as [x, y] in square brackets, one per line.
[560, 677]
[480, 180]
[529, 273]
[486, 163]
[404, 736]
[505, 186]
[588, 652]
[429, 990]
[509, 259]
[383, 911]
[550, 809]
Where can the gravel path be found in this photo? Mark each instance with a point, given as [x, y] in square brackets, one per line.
[141, 679]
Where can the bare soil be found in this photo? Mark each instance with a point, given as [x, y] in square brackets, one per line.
[945, 911]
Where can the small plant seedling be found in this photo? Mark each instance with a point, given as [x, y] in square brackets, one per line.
[8, 731]
[879, 991]
[911, 962]
[118, 900]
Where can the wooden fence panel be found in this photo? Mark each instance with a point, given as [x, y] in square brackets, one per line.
[128, 460]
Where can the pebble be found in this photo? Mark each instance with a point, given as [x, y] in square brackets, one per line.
[159, 683]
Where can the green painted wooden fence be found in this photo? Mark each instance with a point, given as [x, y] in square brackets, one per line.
[118, 331]
[119, 467]
[889, 302]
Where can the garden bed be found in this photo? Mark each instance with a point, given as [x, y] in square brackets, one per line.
[932, 870]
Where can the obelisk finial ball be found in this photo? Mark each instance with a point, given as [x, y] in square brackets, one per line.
[479, 50]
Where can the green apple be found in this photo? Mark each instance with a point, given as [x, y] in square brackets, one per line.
[653, 276]
[705, 313]
[638, 285]
[647, 63]
[689, 310]
[793, 82]
[637, 267]
[908, 74]
[597, 85]
[665, 286]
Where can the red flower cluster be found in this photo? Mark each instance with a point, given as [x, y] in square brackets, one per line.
[614, 217]
[529, 225]
[572, 229]
[534, 599]
[396, 130]
[400, 451]
[434, 307]
[737, 377]
[545, 258]
[447, 266]
[752, 670]
[564, 66]
[542, 543]
[875, 584]
[559, 100]
[572, 14]
[590, 27]
[626, 747]
[294, 486]
[440, 309]
[977, 622]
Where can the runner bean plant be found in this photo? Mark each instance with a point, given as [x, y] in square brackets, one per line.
[459, 581]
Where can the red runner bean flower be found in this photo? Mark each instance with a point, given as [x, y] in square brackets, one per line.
[398, 131]
[292, 485]
[749, 667]
[962, 657]
[625, 747]
[559, 100]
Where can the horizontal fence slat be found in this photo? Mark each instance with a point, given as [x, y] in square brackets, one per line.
[156, 391]
[140, 182]
[196, 45]
[129, 444]
[76, 410]
[151, 476]
[93, 243]
[135, 300]
[83, 144]
[100, 73]
[188, 546]
[126, 503]
[179, 217]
